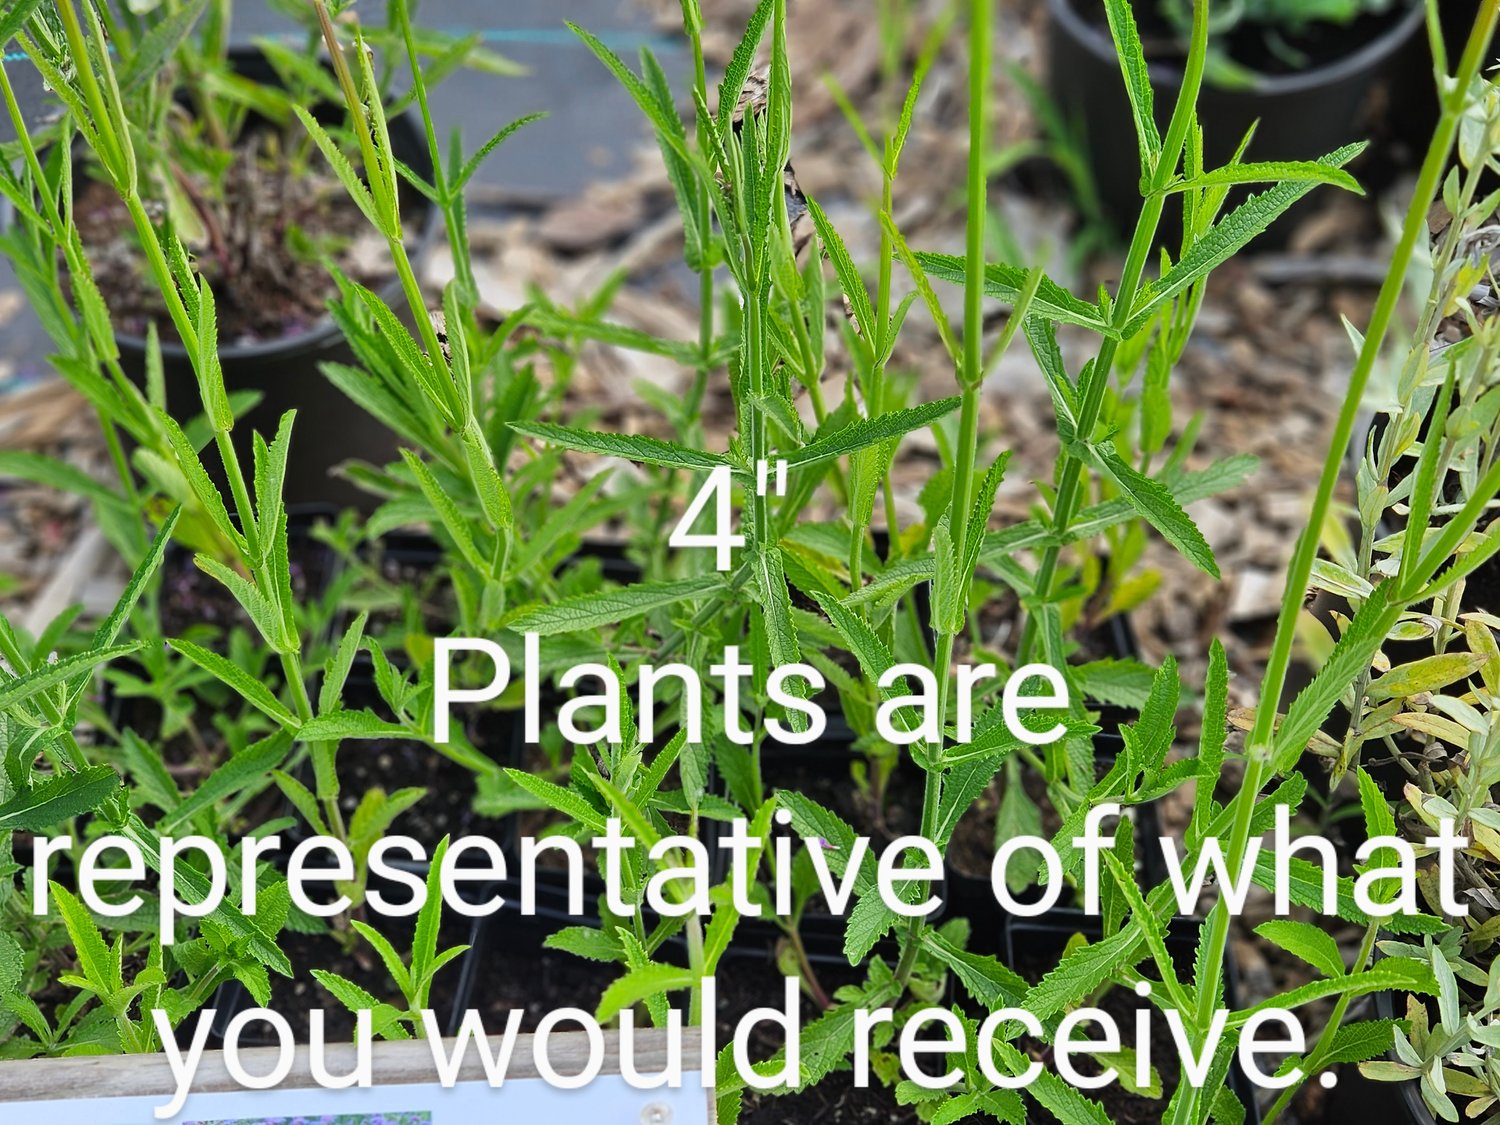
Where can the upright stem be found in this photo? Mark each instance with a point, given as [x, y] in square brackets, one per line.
[1260, 743]
[970, 378]
[705, 219]
[1314, 1058]
[1070, 479]
[1414, 230]
[883, 300]
[760, 509]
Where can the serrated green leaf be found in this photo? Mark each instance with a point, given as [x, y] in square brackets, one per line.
[482, 153]
[447, 511]
[1154, 501]
[1227, 238]
[12, 964]
[1390, 974]
[100, 968]
[587, 942]
[335, 726]
[847, 272]
[641, 984]
[16, 690]
[1007, 283]
[563, 800]
[1132, 57]
[870, 431]
[247, 686]
[592, 611]
[353, 184]
[57, 799]
[1302, 939]
[991, 983]
[631, 447]
[253, 764]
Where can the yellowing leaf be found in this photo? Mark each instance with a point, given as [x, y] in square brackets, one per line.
[1336, 580]
[1425, 722]
[1433, 673]
[1482, 643]
[1486, 838]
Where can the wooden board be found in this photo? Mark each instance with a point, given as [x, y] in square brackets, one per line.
[125, 1089]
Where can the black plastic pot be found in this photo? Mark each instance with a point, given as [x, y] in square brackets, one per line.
[1046, 938]
[1301, 116]
[288, 373]
[1404, 1099]
[1416, 116]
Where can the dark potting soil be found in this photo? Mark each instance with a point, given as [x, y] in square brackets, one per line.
[446, 810]
[266, 228]
[834, 1101]
[881, 816]
[517, 972]
[297, 996]
[1120, 1105]
[971, 851]
[1257, 46]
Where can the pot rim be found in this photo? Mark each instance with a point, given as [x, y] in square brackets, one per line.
[1384, 45]
[1410, 1092]
[425, 234]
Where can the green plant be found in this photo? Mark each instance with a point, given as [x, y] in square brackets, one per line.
[485, 435]
[1421, 712]
[413, 976]
[51, 785]
[71, 50]
[1146, 321]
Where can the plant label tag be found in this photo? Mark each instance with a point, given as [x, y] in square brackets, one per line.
[134, 1090]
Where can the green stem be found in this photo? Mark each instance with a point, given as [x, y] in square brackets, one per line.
[453, 215]
[1259, 745]
[970, 378]
[705, 219]
[694, 932]
[104, 123]
[1070, 478]
[1314, 1058]
[1413, 232]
